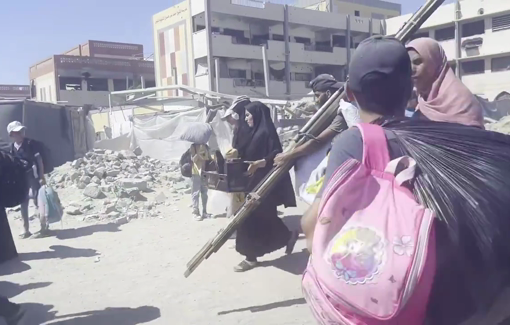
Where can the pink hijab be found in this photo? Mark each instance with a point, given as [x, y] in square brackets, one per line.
[449, 99]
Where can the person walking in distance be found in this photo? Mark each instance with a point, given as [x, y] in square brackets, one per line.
[29, 151]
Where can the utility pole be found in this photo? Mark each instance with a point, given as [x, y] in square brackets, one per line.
[458, 40]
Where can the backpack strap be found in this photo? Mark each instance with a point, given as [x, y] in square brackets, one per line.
[375, 147]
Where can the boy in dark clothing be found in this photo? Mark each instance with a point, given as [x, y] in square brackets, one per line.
[28, 150]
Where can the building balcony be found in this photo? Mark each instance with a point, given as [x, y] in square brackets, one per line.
[235, 47]
[242, 86]
[200, 44]
[312, 54]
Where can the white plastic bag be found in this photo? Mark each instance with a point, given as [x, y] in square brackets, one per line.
[308, 191]
[198, 133]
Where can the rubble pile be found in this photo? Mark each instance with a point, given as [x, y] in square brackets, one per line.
[286, 134]
[117, 186]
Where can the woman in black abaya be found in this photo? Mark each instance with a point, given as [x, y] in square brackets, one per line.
[263, 231]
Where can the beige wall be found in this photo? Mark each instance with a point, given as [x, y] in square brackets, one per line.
[46, 83]
[100, 120]
[178, 14]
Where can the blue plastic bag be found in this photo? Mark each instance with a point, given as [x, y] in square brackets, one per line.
[49, 204]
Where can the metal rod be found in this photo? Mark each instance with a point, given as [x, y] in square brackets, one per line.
[217, 73]
[314, 127]
[348, 39]
[287, 48]
[208, 39]
[266, 69]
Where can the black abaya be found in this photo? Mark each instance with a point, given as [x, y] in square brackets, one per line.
[263, 232]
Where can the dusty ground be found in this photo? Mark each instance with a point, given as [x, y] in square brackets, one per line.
[104, 274]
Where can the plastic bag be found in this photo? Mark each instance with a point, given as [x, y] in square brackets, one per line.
[464, 176]
[49, 204]
[309, 191]
[198, 133]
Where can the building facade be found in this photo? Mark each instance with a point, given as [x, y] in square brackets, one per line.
[14, 91]
[87, 73]
[477, 49]
[241, 46]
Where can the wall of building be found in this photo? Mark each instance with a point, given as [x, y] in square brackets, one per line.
[364, 10]
[173, 55]
[45, 88]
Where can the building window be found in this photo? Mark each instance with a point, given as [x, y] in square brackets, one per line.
[303, 40]
[215, 30]
[97, 84]
[122, 84]
[258, 75]
[199, 28]
[339, 41]
[473, 67]
[500, 23]
[356, 13]
[150, 83]
[299, 76]
[445, 34]
[501, 64]
[70, 83]
[420, 35]
[278, 37]
[237, 73]
[474, 28]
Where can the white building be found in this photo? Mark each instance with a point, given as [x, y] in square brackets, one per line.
[483, 44]
[228, 38]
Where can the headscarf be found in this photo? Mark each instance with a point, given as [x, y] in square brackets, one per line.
[449, 99]
[242, 132]
[265, 144]
[325, 82]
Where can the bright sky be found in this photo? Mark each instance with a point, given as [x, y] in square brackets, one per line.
[33, 30]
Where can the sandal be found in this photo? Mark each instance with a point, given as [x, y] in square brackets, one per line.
[245, 266]
[292, 242]
[41, 234]
[25, 235]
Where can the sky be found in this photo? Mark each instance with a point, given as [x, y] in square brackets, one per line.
[33, 30]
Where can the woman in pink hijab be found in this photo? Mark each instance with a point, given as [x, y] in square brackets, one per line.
[442, 96]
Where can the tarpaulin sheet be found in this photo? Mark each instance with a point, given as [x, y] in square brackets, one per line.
[158, 135]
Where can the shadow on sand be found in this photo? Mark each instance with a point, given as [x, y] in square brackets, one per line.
[274, 305]
[13, 266]
[59, 252]
[85, 231]
[293, 263]
[293, 222]
[10, 290]
[38, 314]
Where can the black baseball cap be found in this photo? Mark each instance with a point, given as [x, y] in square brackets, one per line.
[325, 82]
[380, 70]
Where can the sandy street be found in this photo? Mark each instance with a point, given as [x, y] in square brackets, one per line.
[105, 274]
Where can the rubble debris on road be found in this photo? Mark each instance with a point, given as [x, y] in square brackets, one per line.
[118, 186]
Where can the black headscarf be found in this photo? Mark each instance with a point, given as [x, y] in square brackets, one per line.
[242, 132]
[265, 144]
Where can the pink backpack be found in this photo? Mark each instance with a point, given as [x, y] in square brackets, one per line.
[374, 248]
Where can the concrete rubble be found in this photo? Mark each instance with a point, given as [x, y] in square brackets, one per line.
[118, 186]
